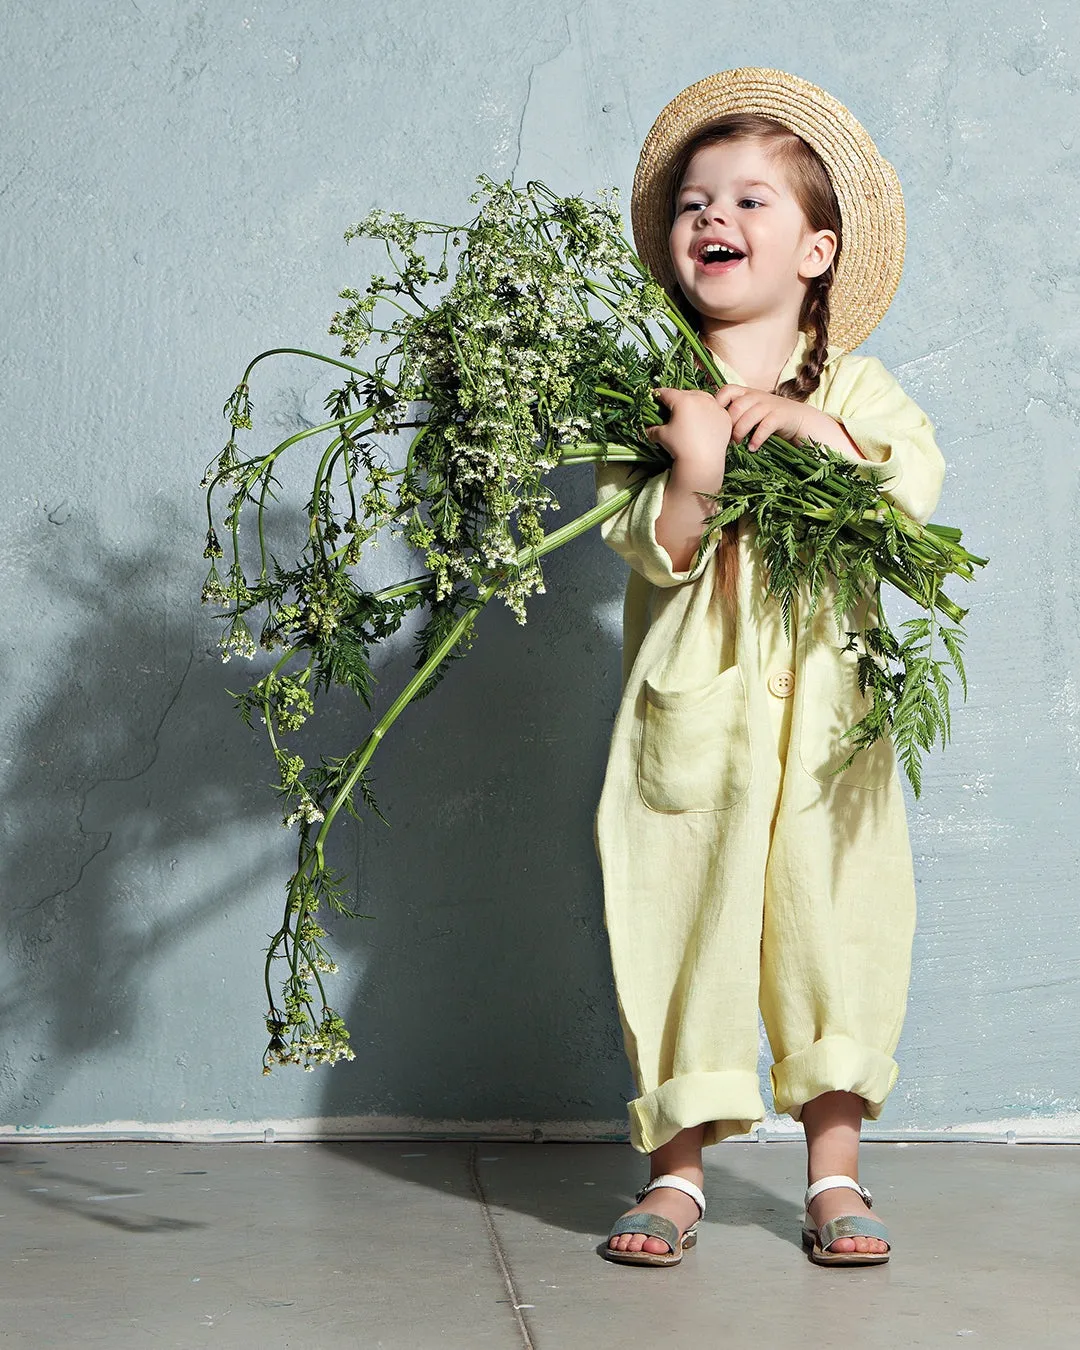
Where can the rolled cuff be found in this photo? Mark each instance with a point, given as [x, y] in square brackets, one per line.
[914, 466]
[875, 449]
[632, 532]
[727, 1102]
[833, 1064]
[874, 446]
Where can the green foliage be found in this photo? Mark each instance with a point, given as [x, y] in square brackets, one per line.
[821, 524]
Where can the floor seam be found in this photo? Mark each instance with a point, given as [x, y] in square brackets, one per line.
[500, 1255]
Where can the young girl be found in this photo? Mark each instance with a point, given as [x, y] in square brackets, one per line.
[739, 872]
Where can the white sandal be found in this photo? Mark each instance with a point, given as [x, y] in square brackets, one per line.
[819, 1240]
[655, 1225]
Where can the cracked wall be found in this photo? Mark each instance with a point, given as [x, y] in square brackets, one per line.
[176, 182]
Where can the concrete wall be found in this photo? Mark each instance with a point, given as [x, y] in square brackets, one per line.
[176, 181]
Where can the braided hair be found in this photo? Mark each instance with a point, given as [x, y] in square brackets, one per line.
[816, 317]
[813, 190]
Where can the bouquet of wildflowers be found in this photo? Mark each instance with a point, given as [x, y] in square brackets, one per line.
[528, 339]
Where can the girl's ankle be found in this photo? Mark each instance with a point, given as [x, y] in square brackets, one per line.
[689, 1171]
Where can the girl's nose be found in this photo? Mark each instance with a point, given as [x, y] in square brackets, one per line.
[715, 212]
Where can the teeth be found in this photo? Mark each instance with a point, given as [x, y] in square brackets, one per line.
[718, 253]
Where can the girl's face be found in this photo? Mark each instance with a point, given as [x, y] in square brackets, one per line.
[733, 194]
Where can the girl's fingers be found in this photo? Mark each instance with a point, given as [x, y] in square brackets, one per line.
[744, 424]
[762, 432]
[743, 406]
[765, 429]
[740, 427]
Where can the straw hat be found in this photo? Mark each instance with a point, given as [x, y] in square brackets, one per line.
[866, 186]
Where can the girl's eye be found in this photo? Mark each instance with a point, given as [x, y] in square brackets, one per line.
[689, 206]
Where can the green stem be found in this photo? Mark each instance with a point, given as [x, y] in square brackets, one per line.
[463, 624]
[271, 456]
[298, 351]
[405, 587]
[580, 524]
[593, 452]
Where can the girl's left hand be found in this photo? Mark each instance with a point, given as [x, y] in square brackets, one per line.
[770, 414]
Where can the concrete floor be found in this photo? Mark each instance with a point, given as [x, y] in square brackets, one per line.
[399, 1246]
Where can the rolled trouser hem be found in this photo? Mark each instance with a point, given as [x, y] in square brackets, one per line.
[833, 1064]
[726, 1102]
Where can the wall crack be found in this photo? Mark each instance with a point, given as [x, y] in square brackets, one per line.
[567, 18]
[106, 835]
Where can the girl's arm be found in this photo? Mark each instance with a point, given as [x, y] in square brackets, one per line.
[658, 533]
[632, 532]
[679, 526]
[826, 430]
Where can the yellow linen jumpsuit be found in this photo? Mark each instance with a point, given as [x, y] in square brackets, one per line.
[737, 872]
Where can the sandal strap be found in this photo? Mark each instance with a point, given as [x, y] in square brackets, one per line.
[850, 1225]
[676, 1183]
[831, 1183]
[653, 1225]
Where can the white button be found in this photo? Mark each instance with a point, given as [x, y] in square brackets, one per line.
[782, 683]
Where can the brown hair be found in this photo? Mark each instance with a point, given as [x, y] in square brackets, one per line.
[813, 190]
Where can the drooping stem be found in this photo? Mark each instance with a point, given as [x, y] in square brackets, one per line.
[556, 539]
[311, 856]
[298, 351]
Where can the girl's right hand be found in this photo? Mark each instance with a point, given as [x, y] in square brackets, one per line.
[697, 432]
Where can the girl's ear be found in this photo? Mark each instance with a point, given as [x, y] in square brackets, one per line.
[819, 254]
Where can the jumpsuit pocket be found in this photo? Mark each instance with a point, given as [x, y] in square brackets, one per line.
[694, 753]
[831, 704]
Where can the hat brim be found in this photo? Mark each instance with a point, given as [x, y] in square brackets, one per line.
[866, 186]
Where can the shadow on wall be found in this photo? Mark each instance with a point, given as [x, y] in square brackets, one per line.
[146, 865]
[131, 781]
[487, 989]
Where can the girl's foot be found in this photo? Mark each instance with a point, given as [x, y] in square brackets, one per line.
[831, 1204]
[680, 1156]
[832, 1123]
[675, 1205]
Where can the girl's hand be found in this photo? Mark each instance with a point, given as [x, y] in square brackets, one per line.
[764, 414]
[698, 429]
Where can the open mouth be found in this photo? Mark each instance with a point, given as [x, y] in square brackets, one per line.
[718, 258]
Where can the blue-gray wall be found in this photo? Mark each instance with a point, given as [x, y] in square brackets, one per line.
[176, 181]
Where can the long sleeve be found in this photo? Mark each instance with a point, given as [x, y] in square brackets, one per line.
[891, 430]
[631, 532]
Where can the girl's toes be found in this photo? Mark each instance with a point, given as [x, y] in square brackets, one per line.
[843, 1245]
[657, 1245]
